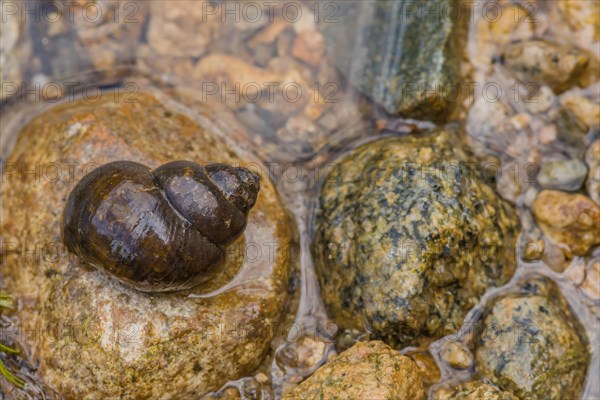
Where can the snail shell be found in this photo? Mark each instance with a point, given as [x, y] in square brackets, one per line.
[158, 230]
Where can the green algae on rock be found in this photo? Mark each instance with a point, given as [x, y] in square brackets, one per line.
[532, 345]
[475, 390]
[408, 236]
[367, 370]
[100, 338]
[402, 54]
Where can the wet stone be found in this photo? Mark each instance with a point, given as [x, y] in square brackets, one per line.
[368, 370]
[545, 63]
[125, 343]
[421, 51]
[567, 175]
[408, 236]
[569, 220]
[476, 390]
[532, 345]
[428, 368]
[456, 355]
[592, 158]
[15, 49]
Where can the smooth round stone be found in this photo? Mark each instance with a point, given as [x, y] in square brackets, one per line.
[567, 175]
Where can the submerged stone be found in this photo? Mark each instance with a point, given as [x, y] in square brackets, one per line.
[546, 63]
[567, 175]
[102, 338]
[570, 220]
[368, 370]
[402, 54]
[476, 390]
[408, 236]
[532, 345]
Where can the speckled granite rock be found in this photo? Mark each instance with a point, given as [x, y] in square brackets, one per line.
[532, 345]
[546, 63]
[570, 220]
[96, 338]
[476, 390]
[398, 55]
[368, 370]
[408, 236]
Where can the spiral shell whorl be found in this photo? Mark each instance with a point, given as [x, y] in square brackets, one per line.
[158, 230]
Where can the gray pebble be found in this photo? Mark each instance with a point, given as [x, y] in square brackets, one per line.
[567, 175]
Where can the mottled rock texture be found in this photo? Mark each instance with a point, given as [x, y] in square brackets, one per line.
[543, 62]
[569, 220]
[398, 54]
[368, 370]
[96, 338]
[532, 345]
[476, 390]
[408, 236]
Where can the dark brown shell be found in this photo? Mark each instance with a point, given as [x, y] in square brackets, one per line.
[158, 230]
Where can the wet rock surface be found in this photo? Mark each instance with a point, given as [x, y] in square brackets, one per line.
[570, 220]
[592, 158]
[86, 37]
[428, 368]
[14, 49]
[408, 236]
[567, 175]
[368, 370]
[406, 67]
[476, 390]
[456, 355]
[532, 345]
[111, 340]
[546, 63]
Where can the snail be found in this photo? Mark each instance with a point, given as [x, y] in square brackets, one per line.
[158, 230]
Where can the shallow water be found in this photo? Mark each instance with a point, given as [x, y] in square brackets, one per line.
[298, 149]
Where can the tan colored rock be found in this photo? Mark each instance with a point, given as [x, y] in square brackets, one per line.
[183, 29]
[368, 370]
[591, 284]
[546, 63]
[111, 41]
[456, 355]
[514, 23]
[112, 341]
[584, 109]
[477, 390]
[571, 220]
[582, 16]
[428, 368]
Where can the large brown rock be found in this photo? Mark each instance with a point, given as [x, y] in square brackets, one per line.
[96, 338]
